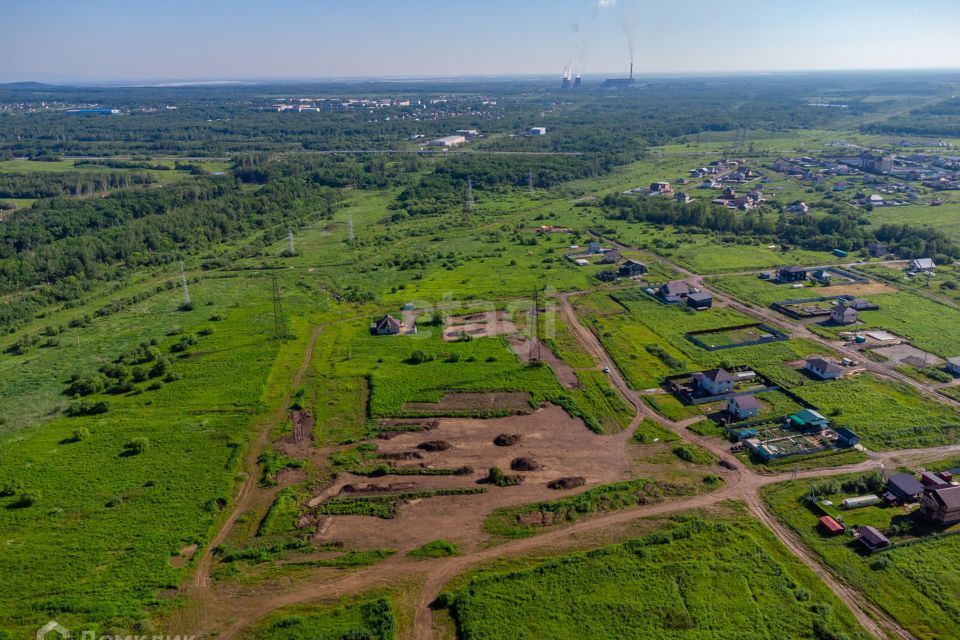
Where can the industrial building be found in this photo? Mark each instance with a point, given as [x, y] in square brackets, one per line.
[448, 141]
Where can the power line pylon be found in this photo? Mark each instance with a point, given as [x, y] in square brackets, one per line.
[279, 320]
[290, 248]
[183, 280]
[468, 202]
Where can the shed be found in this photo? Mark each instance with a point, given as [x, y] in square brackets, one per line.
[872, 539]
[831, 526]
[847, 438]
[809, 420]
[700, 300]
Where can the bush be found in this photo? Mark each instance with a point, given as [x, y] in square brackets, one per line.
[11, 488]
[87, 407]
[28, 499]
[419, 357]
[80, 434]
[137, 446]
[435, 549]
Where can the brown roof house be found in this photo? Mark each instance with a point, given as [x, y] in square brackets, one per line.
[743, 407]
[941, 505]
[843, 315]
[823, 369]
[715, 382]
[386, 326]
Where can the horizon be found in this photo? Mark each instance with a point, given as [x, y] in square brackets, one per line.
[432, 39]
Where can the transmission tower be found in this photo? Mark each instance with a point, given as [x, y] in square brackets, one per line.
[279, 321]
[530, 183]
[183, 279]
[290, 248]
[468, 203]
[350, 229]
[535, 355]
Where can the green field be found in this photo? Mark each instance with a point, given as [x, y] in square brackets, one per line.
[696, 579]
[372, 619]
[916, 585]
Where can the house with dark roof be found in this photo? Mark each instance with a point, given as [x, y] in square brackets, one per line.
[700, 300]
[611, 256]
[872, 539]
[823, 369]
[861, 304]
[877, 249]
[792, 274]
[941, 505]
[386, 326]
[844, 315]
[714, 382]
[904, 487]
[674, 291]
[743, 407]
[632, 268]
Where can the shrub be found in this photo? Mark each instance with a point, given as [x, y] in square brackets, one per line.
[435, 549]
[87, 407]
[11, 488]
[80, 434]
[28, 499]
[419, 357]
[137, 446]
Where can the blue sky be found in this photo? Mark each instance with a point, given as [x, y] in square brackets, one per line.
[252, 39]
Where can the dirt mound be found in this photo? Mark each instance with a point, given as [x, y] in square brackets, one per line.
[507, 439]
[299, 441]
[401, 455]
[567, 483]
[434, 445]
[524, 464]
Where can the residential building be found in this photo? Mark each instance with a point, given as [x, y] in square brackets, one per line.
[843, 315]
[823, 369]
[743, 407]
[941, 505]
[922, 265]
[386, 326]
[611, 257]
[660, 188]
[632, 268]
[792, 274]
[714, 382]
[537, 131]
[877, 249]
[682, 197]
[904, 487]
[674, 291]
[699, 300]
[448, 141]
[800, 208]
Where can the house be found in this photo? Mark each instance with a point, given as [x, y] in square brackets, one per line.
[922, 265]
[823, 369]
[386, 326]
[632, 268]
[611, 257]
[941, 505]
[674, 291]
[809, 420]
[930, 479]
[594, 247]
[953, 366]
[699, 300]
[875, 200]
[792, 274]
[709, 184]
[743, 407]
[537, 131]
[872, 539]
[714, 382]
[801, 208]
[860, 304]
[843, 315]
[682, 197]
[660, 188]
[831, 526]
[904, 487]
[877, 249]
[847, 438]
[729, 194]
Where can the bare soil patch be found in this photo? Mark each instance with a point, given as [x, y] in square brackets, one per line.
[457, 403]
[183, 558]
[908, 354]
[299, 442]
[861, 290]
[479, 325]
[562, 447]
[526, 349]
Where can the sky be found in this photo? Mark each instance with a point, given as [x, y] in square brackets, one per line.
[113, 40]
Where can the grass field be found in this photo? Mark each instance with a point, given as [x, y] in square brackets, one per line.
[916, 585]
[885, 415]
[696, 579]
[369, 619]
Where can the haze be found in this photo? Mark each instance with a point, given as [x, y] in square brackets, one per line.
[56, 40]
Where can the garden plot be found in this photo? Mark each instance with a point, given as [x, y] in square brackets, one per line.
[492, 403]
[479, 325]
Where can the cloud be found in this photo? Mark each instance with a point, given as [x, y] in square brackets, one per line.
[605, 4]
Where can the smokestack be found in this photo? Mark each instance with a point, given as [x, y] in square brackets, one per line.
[631, 69]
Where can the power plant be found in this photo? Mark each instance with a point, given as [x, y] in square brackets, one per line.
[568, 82]
[616, 83]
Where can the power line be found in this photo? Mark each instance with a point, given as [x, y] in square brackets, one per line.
[290, 248]
[186, 291]
[279, 320]
[468, 202]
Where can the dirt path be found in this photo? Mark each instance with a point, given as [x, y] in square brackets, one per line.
[201, 580]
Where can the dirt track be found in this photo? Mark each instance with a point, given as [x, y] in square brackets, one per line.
[229, 612]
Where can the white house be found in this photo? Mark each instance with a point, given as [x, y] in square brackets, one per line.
[743, 407]
[715, 381]
[823, 369]
[922, 265]
[537, 131]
